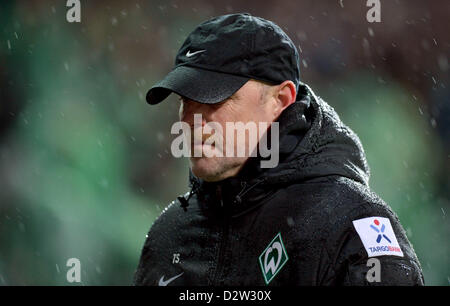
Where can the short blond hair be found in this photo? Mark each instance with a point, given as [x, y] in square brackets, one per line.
[264, 89]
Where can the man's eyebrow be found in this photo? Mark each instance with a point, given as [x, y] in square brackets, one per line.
[234, 96]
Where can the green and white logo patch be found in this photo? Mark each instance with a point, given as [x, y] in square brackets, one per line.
[273, 258]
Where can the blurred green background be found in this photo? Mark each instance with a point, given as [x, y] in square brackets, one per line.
[85, 165]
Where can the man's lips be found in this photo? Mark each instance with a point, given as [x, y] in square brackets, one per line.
[204, 137]
[203, 144]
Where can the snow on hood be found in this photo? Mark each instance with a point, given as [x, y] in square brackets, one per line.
[314, 142]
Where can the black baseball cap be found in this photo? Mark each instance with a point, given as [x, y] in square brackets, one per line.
[223, 53]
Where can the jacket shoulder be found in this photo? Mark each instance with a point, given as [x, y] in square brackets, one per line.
[342, 218]
[171, 218]
[162, 241]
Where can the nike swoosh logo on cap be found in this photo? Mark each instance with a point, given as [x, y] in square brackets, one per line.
[162, 282]
[189, 53]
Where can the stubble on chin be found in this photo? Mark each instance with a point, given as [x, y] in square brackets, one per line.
[213, 169]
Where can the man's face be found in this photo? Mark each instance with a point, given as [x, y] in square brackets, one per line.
[253, 102]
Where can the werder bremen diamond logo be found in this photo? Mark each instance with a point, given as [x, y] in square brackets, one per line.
[273, 258]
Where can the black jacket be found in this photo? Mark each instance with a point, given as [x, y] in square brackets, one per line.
[289, 225]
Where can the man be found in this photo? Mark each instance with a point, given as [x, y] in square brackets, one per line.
[311, 219]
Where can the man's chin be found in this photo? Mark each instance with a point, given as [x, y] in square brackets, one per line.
[205, 168]
[214, 169]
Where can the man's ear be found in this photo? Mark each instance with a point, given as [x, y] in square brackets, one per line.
[285, 95]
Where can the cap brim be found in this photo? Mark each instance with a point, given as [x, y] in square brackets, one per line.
[200, 85]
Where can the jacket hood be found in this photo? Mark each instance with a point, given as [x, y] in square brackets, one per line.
[313, 143]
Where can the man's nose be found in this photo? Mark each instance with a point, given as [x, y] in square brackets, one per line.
[191, 108]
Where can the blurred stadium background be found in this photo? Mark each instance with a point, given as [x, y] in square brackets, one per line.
[85, 165]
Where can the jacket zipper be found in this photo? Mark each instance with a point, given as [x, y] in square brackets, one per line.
[221, 257]
[223, 241]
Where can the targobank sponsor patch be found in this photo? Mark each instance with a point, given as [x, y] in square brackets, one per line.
[377, 236]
